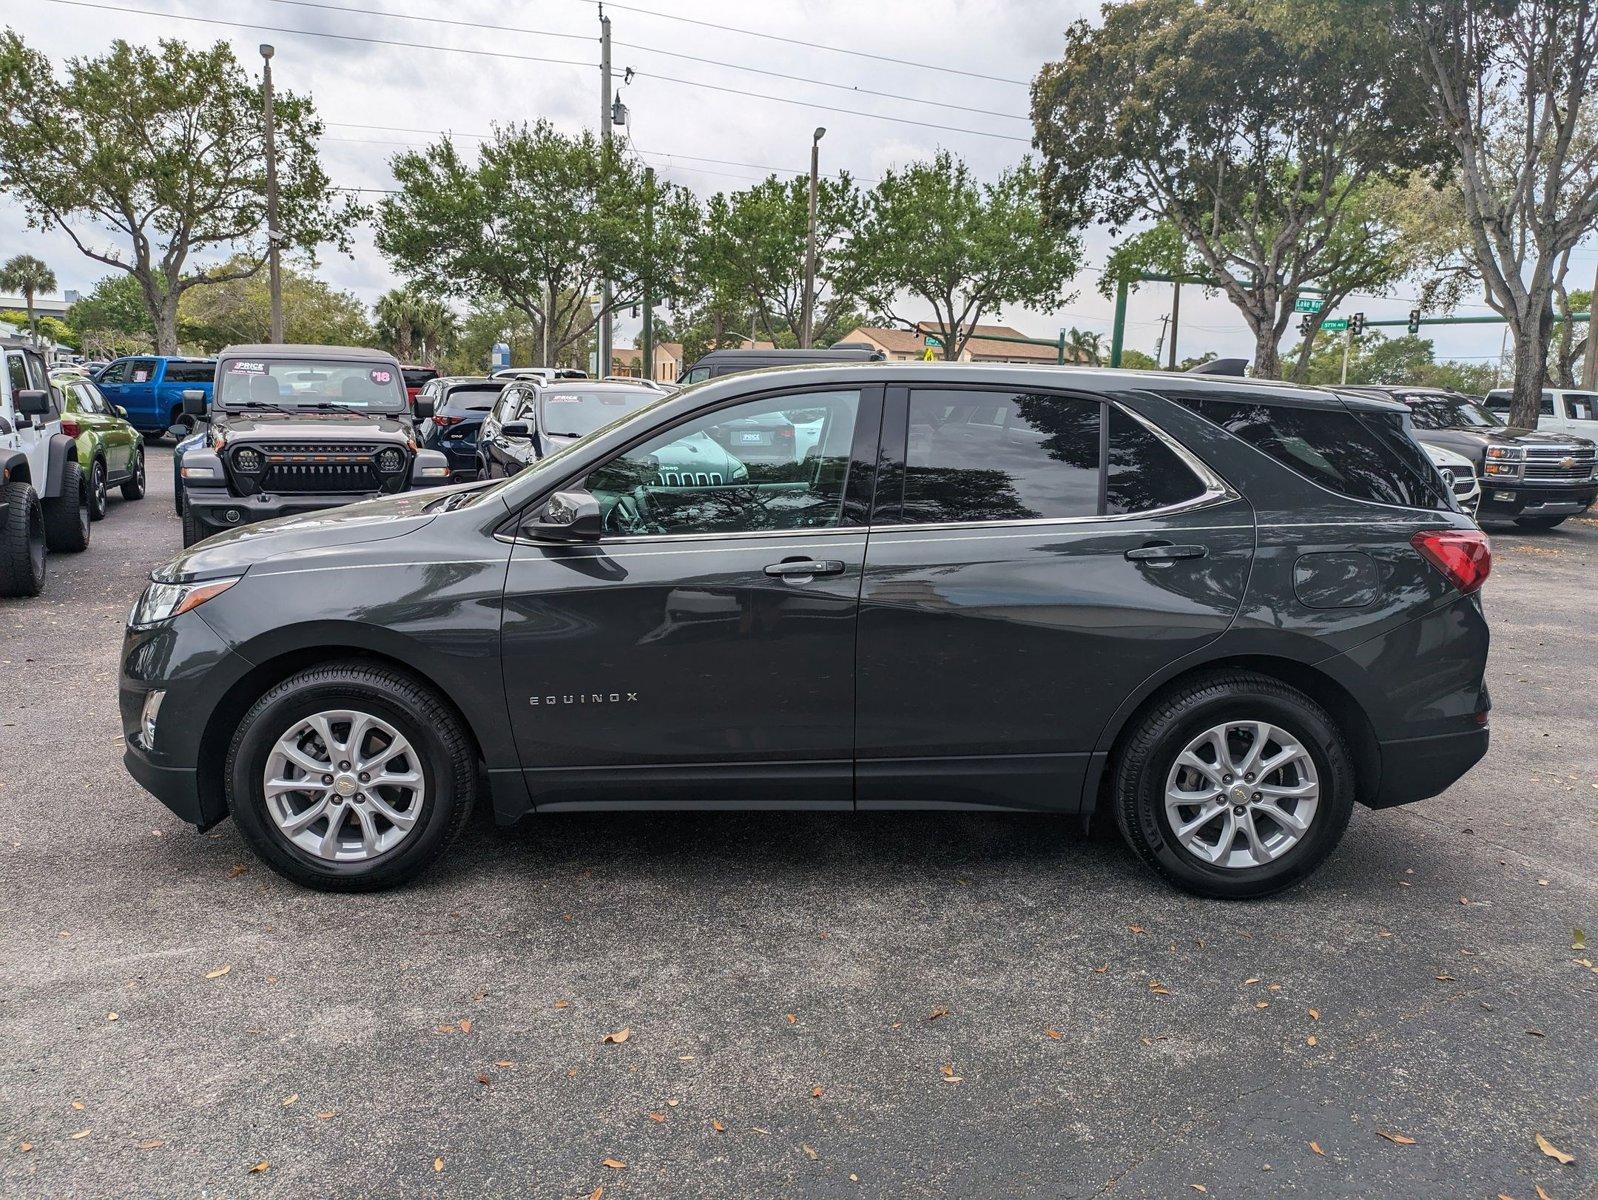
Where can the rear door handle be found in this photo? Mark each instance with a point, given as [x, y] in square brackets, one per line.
[1165, 553]
[805, 567]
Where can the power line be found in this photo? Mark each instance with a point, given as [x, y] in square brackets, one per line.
[493, 28]
[772, 37]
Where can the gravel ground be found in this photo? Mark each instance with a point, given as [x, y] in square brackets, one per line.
[891, 1005]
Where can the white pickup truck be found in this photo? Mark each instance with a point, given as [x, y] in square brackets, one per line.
[1562, 410]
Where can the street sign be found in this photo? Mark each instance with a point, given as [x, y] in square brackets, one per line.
[1335, 324]
[1306, 304]
[933, 340]
[927, 355]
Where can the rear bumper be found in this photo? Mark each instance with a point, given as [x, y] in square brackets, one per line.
[1418, 768]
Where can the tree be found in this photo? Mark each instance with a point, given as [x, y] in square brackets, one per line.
[1250, 126]
[163, 149]
[28, 276]
[1570, 347]
[536, 225]
[1136, 360]
[1511, 87]
[1400, 360]
[240, 310]
[1083, 346]
[112, 320]
[931, 232]
[395, 315]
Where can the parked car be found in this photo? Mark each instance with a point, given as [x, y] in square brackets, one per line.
[299, 429]
[1458, 474]
[416, 378]
[717, 363]
[1538, 480]
[529, 422]
[537, 374]
[44, 496]
[110, 451]
[1229, 609]
[460, 403]
[151, 388]
[1562, 410]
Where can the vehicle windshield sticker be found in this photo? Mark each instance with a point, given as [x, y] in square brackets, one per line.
[243, 367]
[141, 376]
[380, 375]
[563, 399]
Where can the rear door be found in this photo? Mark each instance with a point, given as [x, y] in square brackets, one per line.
[703, 652]
[1034, 557]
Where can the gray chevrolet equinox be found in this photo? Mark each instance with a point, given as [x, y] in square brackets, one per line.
[1226, 610]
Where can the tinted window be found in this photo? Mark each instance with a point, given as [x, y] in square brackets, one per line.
[571, 413]
[1448, 412]
[115, 373]
[474, 397]
[506, 404]
[415, 377]
[697, 375]
[190, 372]
[1142, 472]
[993, 456]
[734, 471]
[1368, 456]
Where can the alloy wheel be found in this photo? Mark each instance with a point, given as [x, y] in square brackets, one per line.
[344, 786]
[1241, 794]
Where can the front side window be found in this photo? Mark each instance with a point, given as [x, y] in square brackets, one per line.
[115, 373]
[89, 399]
[779, 463]
[697, 375]
[505, 408]
[1582, 406]
[17, 374]
[141, 370]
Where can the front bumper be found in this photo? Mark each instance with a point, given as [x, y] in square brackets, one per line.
[216, 510]
[1522, 498]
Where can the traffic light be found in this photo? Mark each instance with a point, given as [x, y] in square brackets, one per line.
[1303, 325]
[1356, 324]
[1414, 321]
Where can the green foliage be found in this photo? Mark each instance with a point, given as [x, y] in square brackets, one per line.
[535, 225]
[415, 326]
[1136, 360]
[1158, 250]
[240, 310]
[28, 276]
[1401, 360]
[112, 320]
[932, 232]
[164, 149]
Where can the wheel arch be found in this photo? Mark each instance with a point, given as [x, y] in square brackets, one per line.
[268, 673]
[14, 467]
[1331, 695]
[60, 449]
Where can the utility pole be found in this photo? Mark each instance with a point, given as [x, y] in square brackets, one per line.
[1348, 341]
[1159, 342]
[647, 356]
[1589, 366]
[810, 241]
[603, 358]
[274, 270]
[1176, 314]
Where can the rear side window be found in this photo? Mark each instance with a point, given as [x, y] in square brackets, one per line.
[1365, 455]
[190, 372]
[1142, 472]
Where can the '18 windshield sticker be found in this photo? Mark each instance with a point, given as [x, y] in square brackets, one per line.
[380, 375]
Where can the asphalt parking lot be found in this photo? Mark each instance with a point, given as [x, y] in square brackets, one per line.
[890, 1005]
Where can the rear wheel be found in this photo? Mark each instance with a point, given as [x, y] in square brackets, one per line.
[66, 517]
[1541, 522]
[133, 488]
[1234, 785]
[350, 777]
[21, 541]
[97, 490]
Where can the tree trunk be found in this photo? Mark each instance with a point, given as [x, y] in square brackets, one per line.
[1267, 354]
[166, 326]
[1531, 361]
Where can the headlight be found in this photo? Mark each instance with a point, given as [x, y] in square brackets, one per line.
[163, 601]
[390, 461]
[1504, 460]
[247, 460]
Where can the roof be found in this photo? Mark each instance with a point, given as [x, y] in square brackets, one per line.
[302, 350]
[914, 341]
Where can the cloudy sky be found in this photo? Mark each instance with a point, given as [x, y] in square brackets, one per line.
[714, 105]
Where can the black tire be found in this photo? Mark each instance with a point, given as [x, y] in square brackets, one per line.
[1541, 522]
[193, 531]
[448, 761]
[1170, 722]
[133, 487]
[97, 490]
[66, 517]
[21, 541]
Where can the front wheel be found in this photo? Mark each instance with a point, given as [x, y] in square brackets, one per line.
[1541, 522]
[193, 530]
[350, 777]
[21, 541]
[66, 517]
[1234, 785]
[97, 490]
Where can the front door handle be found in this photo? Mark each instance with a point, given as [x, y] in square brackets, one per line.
[805, 568]
[1165, 552]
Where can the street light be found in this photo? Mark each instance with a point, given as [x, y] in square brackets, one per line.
[273, 267]
[810, 240]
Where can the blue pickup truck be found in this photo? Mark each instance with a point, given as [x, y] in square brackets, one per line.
[151, 388]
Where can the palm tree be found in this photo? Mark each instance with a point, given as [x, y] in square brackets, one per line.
[29, 276]
[436, 327]
[1084, 346]
[395, 315]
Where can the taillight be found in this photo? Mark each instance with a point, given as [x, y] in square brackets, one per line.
[1462, 555]
[70, 428]
[441, 422]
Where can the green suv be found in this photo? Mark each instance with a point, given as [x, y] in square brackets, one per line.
[110, 450]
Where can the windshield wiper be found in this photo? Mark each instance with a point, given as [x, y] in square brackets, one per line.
[266, 404]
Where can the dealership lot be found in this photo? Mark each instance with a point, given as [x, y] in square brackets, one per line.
[816, 1004]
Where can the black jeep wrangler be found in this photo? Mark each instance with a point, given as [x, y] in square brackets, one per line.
[292, 429]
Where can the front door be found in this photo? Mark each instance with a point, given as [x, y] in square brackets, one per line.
[1034, 557]
[702, 653]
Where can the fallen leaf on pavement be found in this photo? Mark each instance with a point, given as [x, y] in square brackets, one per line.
[1543, 1144]
[718, 1126]
[816, 1092]
[562, 1003]
[83, 1133]
[810, 1152]
[617, 1038]
[1137, 929]
[438, 1165]
[1444, 978]
[326, 1116]
[1314, 1014]
[597, 1192]
[1251, 981]
[791, 1018]
[77, 1106]
[25, 1147]
[261, 1166]
[151, 1144]
[1198, 1187]
[948, 1073]
[1542, 1195]
[1396, 1138]
[466, 1025]
[1158, 988]
[1053, 1033]
[1312, 1040]
[238, 869]
[1101, 970]
[484, 1080]
[1578, 940]
[657, 1117]
[1316, 1147]
[219, 972]
[289, 1101]
[615, 1164]
[943, 1012]
[111, 1016]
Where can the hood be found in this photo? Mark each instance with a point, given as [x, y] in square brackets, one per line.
[1513, 435]
[312, 426]
[237, 550]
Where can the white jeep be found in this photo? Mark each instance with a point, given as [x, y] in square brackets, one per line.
[44, 499]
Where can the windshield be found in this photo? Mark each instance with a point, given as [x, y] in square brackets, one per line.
[568, 413]
[309, 383]
[1445, 412]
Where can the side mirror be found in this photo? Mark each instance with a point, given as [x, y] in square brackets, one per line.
[193, 402]
[33, 402]
[120, 411]
[422, 407]
[517, 429]
[178, 432]
[568, 517]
